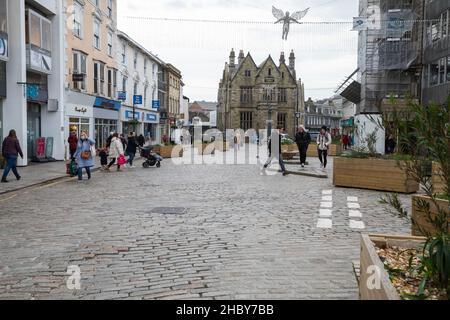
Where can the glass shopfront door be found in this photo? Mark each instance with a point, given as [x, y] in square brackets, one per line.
[33, 128]
[103, 128]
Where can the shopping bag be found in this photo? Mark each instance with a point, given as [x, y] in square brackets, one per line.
[121, 160]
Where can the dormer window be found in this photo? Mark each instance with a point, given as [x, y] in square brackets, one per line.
[270, 71]
[248, 73]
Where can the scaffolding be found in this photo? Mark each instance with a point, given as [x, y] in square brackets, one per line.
[390, 54]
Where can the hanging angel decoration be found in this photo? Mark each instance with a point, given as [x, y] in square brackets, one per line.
[287, 19]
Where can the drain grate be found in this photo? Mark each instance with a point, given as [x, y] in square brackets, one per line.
[169, 210]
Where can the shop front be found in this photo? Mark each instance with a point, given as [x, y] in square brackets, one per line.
[79, 115]
[37, 99]
[132, 123]
[151, 126]
[106, 115]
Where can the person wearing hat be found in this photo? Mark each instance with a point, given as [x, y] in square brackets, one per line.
[323, 144]
[303, 139]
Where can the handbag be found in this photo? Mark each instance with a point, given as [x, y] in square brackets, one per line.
[121, 160]
[85, 155]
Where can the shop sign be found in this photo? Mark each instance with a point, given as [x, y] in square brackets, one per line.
[156, 104]
[122, 96]
[77, 77]
[129, 115]
[151, 117]
[137, 100]
[82, 110]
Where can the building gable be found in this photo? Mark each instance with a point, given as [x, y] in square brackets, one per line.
[247, 64]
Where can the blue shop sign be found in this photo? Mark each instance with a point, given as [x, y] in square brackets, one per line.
[151, 117]
[137, 100]
[156, 104]
[129, 115]
[107, 104]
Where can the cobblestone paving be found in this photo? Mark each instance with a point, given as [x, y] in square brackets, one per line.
[244, 235]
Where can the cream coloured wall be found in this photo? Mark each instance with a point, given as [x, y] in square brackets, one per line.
[85, 44]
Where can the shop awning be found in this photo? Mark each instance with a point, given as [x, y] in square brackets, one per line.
[107, 104]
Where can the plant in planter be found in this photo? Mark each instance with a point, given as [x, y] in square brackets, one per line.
[366, 169]
[425, 132]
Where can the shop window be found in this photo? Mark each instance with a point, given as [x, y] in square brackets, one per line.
[442, 66]
[448, 69]
[444, 23]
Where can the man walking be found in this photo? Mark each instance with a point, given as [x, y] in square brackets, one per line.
[275, 149]
[323, 144]
[303, 140]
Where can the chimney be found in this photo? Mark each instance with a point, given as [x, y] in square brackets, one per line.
[232, 59]
[241, 57]
[282, 59]
[292, 61]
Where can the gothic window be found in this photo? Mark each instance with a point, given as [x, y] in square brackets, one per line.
[246, 121]
[246, 94]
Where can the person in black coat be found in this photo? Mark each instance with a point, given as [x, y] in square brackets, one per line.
[391, 144]
[141, 140]
[303, 140]
[131, 149]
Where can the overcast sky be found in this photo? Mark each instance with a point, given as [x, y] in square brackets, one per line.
[325, 54]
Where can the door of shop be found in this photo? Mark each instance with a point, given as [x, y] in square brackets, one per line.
[33, 128]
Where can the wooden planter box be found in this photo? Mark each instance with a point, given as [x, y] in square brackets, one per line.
[167, 151]
[436, 179]
[370, 263]
[372, 174]
[222, 146]
[421, 219]
[335, 150]
[206, 149]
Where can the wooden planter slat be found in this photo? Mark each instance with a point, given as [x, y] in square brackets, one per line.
[369, 258]
[421, 219]
[166, 151]
[373, 174]
[335, 150]
[437, 180]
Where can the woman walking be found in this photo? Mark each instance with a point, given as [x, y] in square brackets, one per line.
[131, 149]
[303, 140]
[115, 151]
[323, 144]
[10, 151]
[84, 156]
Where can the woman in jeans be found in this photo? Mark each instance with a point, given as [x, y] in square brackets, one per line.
[131, 149]
[84, 155]
[10, 151]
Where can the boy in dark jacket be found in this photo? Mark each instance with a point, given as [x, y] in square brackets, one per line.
[303, 140]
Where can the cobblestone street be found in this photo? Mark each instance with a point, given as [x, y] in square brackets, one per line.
[242, 235]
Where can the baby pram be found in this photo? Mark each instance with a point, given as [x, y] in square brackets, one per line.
[151, 158]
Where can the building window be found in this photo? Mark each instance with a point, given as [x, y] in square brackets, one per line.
[38, 31]
[268, 95]
[145, 67]
[248, 73]
[110, 83]
[135, 59]
[444, 23]
[246, 94]
[448, 69]
[99, 77]
[110, 8]
[79, 67]
[3, 16]
[270, 72]
[97, 34]
[434, 74]
[145, 95]
[135, 89]
[442, 73]
[97, 3]
[246, 121]
[282, 95]
[124, 84]
[281, 120]
[110, 43]
[78, 20]
[435, 31]
[124, 53]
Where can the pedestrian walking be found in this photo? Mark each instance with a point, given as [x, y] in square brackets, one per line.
[391, 144]
[11, 151]
[131, 149]
[346, 142]
[124, 141]
[303, 140]
[323, 144]
[275, 149]
[108, 141]
[73, 143]
[103, 154]
[85, 155]
[141, 140]
[115, 151]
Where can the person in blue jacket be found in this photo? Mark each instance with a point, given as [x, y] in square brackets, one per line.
[84, 156]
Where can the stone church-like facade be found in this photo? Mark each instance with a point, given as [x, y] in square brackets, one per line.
[249, 95]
